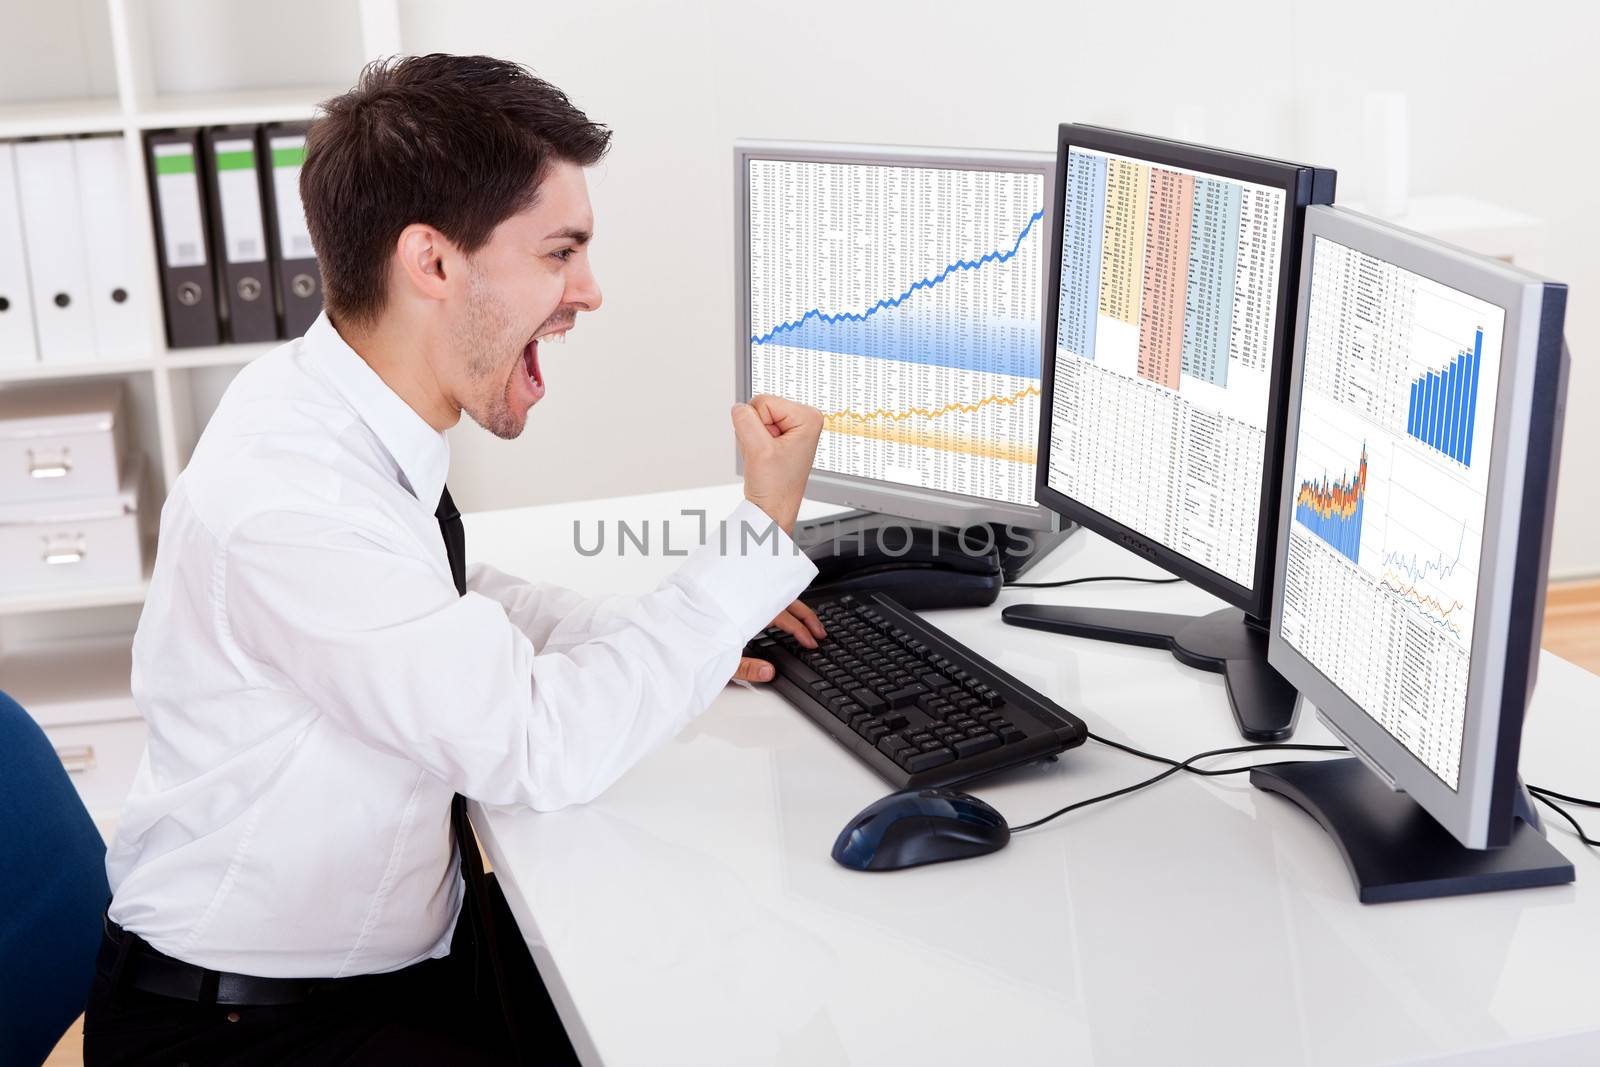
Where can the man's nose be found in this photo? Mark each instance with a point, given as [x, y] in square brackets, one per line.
[583, 289]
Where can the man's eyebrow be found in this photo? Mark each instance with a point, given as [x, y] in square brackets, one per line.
[570, 233]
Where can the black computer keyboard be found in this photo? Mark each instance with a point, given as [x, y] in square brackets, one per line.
[912, 704]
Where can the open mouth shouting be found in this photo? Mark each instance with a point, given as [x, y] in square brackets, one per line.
[531, 379]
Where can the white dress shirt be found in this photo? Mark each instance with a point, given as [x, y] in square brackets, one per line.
[316, 690]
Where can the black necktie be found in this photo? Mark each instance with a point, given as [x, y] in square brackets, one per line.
[455, 539]
[476, 909]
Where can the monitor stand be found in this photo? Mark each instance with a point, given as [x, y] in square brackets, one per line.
[939, 566]
[1395, 850]
[1228, 642]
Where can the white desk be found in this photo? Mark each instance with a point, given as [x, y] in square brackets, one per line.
[692, 914]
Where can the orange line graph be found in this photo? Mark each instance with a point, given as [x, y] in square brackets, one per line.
[1426, 600]
[898, 427]
[953, 406]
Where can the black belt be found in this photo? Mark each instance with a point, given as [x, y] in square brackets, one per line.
[127, 959]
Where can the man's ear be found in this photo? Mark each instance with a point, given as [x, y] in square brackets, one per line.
[427, 260]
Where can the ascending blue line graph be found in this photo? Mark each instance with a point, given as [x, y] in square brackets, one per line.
[1405, 574]
[896, 301]
[1416, 571]
[938, 335]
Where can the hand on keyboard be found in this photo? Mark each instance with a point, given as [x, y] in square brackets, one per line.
[916, 706]
[798, 621]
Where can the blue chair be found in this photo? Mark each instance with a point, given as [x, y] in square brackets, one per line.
[52, 892]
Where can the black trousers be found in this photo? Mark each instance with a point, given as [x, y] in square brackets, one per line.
[442, 1011]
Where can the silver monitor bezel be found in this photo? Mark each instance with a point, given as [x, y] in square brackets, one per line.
[1464, 811]
[925, 505]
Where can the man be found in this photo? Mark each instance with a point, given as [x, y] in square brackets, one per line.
[288, 873]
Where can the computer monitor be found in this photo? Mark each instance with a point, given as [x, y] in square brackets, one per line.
[1172, 282]
[901, 292]
[1423, 434]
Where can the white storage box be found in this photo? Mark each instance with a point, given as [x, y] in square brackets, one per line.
[60, 545]
[62, 442]
[102, 759]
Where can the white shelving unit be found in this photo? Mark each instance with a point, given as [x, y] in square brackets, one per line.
[125, 67]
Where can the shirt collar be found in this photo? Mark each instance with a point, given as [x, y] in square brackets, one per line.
[422, 453]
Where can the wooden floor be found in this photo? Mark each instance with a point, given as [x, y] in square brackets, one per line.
[1572, 622]
[1571, 631]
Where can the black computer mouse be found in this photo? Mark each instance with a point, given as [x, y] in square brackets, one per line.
[920, 826]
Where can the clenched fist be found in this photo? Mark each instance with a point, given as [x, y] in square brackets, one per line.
[778, 440]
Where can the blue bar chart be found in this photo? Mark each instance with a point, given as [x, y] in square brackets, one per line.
[1444, 405]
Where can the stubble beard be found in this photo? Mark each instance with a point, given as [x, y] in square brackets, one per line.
[484, 334]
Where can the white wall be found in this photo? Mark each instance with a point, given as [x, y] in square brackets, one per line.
[74, 34]
[1501, 97]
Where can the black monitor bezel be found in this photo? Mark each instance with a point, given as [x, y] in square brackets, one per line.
[1296, 180]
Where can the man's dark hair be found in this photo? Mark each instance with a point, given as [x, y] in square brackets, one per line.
[458, 142]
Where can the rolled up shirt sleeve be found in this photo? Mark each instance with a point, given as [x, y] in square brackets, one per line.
[515, 693]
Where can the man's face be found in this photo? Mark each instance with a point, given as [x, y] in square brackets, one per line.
[527, 283]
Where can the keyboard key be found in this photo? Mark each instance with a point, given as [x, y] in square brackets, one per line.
[928, 759]
[893, 745]
[899, 698]
[971, 746]
[875, 733]
[934, 681]
[792, 669]
[868, 699]
[1012, 734]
